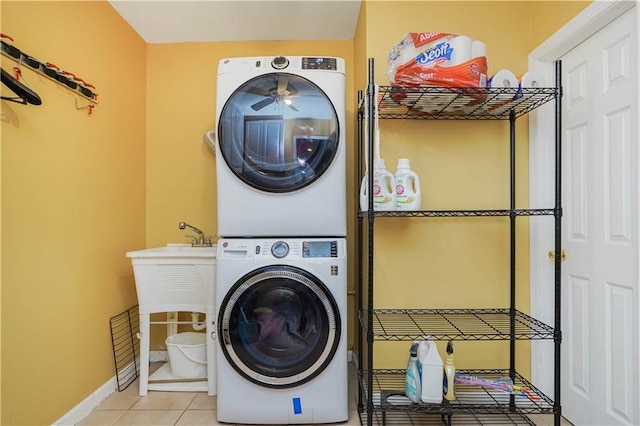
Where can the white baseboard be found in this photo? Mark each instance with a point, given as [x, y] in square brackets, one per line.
[158, 356]
[82, 410]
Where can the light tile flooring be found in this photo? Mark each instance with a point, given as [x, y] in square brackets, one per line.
[197, 408]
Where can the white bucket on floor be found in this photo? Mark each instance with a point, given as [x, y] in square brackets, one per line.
[187, 355]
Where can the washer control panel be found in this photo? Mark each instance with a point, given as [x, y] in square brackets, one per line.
[290, 249]
[298, 249]
[319, 249]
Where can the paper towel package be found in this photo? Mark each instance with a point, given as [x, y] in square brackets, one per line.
[438, 59]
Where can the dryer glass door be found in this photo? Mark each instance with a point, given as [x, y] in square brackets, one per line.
[278, 132]
[279, 326]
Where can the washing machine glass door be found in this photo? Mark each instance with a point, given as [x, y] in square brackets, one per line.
[279, 326]
[278, 132]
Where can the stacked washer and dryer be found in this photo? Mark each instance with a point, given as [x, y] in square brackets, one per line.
[281, 275]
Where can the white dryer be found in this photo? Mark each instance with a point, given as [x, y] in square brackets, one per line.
[281, 353]
[280, 147]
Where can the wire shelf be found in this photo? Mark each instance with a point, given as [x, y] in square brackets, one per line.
[454, 324]
[462, 213]
[466, 103]
[126, 346]
[388, 387]
[394, 418]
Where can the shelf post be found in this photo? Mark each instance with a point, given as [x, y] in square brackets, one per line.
[370, 135]
[557, 407]
[512, 256]
[360, 241]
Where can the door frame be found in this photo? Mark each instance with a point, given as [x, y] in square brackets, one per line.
[542, 170]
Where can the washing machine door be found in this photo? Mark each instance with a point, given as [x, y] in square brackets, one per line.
[278, 132]
[279, 326]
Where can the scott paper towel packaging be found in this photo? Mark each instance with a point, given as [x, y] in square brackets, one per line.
[408, 194]
[384, 195]
[437, 59]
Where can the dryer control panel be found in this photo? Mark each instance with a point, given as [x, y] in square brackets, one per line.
[319, 63]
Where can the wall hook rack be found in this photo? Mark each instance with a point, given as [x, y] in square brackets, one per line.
[51, 71]
[89, 107]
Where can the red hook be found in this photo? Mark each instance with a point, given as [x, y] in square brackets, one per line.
[18, 72]
[3, 35]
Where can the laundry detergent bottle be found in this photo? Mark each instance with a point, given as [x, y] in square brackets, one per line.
[408, 194]
[431, 369]
[384, 195]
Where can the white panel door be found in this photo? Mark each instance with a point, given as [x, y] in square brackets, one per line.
[600, 199]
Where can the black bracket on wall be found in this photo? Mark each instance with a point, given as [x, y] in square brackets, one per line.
[51, 71]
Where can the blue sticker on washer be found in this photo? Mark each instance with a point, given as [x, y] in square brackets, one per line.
[297, 406]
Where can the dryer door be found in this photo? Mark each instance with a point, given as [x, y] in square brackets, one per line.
[279, 326]
[278, 132]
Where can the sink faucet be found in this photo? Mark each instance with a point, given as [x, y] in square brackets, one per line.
[200, 241]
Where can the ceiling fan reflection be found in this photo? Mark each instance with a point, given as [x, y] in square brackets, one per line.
[281, 94]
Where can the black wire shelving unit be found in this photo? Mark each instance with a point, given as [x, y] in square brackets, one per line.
[381, 397]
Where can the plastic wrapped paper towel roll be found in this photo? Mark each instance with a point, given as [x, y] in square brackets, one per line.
[503, 79]
[530, 79]
[461, 50]
[478, 49]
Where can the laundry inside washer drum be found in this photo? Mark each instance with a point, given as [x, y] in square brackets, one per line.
[282, 329]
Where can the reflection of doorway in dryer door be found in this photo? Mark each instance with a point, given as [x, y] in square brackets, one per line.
[263, 143]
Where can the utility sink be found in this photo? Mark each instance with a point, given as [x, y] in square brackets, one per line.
[175, 277]
[175, 250]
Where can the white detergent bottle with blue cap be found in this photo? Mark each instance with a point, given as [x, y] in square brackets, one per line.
[431, 372]
[408, 194]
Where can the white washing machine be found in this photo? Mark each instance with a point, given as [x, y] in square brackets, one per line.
[280, 147]
[282, 339]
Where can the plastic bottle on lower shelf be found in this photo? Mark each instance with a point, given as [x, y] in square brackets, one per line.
[408, 195]
[449, 375]
[430, 372]
[412, 379]
[384, 189]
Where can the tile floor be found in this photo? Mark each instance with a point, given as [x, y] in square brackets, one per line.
[197, 408]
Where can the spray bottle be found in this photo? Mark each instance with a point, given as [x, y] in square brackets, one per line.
[412, 379]
[449, 374]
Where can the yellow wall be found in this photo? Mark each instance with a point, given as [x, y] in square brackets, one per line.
[79, 191]
[547, 17]
[73, 198]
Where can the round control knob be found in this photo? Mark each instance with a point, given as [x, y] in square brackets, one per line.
[280, 62]
[279, 249]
